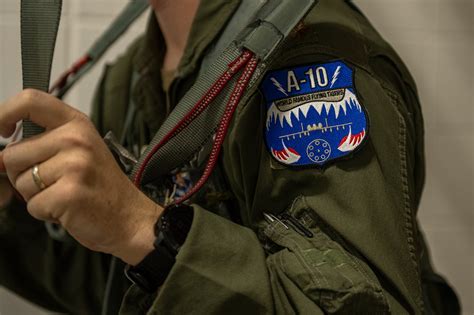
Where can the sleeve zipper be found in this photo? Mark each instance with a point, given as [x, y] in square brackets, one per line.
[288, 221]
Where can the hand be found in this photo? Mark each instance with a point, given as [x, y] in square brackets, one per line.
[86, 191]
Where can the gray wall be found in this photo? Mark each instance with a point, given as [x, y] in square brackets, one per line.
[434, 37]
[436, 40]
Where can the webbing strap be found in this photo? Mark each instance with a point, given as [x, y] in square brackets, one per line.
[129, 14]
[188, 142]
[246, 12]
[39, 27]
[120, 25]
[275, 22]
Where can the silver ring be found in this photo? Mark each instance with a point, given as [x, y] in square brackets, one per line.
[37, 178]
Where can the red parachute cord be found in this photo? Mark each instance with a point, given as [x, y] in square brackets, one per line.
[234, 67]
[234, 100]
[63, 79]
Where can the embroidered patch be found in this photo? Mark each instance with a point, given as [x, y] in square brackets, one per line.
[313, 114]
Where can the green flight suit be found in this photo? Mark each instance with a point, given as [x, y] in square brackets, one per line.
[367, 255]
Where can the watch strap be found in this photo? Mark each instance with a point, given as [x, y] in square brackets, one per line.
[171, 231]
[153, 270]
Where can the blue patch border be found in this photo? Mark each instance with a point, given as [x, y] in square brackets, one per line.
[349, 156]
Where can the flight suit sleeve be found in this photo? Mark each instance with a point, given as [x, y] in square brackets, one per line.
[343, 238]
[49, 273]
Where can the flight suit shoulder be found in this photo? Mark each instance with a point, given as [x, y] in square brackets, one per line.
[120, 69]
[338, 30]
[112, 94]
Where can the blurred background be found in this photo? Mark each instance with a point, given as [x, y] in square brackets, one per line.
[436, 40]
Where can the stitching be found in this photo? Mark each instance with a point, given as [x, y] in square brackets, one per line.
[313, 269]
[299, 255]
[357, 265]
[408, 215]
[343, 275]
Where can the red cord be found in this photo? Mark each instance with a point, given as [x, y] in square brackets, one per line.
[231, 106]
[200, 106]
[62, 81]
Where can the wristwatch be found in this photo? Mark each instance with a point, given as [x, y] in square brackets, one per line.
[171, 231]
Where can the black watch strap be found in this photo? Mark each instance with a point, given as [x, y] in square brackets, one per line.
[171, 231]
[152, 271]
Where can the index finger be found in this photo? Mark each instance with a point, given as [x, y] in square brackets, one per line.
[37, 106]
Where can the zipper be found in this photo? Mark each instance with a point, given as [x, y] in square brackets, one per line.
[287, 221]
[297, 225]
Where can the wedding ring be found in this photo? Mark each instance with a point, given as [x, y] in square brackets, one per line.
[37, 178]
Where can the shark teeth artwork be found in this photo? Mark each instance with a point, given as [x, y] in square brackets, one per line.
[286, 155]
[349, 101]
[351, 142]
[313, 114]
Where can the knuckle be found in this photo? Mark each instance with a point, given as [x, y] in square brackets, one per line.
[65, 196]
[19, 184]
[77, 139]
[74, 139]
[28, 96]
[83, 121]
[68, 197]
[71, 138]
[86, 144]
[35, 210]
[80, 116]
[70, 190]
[12, 169]
[80, 166]
[8, 157]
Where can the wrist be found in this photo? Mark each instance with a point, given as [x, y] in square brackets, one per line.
[171, 231]
[140, 243]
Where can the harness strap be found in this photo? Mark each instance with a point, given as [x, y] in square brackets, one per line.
[244, 15]
[274, 23]
[39, 27]
[120, 25]
[236, 96]
[166, 153]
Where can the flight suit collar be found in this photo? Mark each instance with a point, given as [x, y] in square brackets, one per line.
[211, 17]
[150, 54]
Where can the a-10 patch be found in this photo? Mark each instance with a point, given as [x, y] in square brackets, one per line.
[313, 114]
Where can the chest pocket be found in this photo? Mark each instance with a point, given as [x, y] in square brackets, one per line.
[326, 273]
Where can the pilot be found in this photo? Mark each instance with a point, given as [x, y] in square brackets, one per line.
[292, 220]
